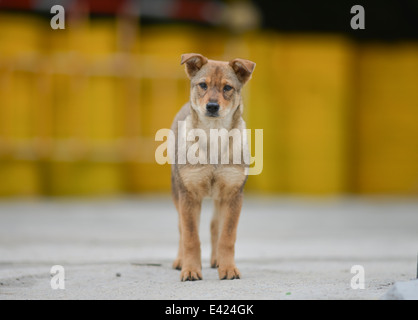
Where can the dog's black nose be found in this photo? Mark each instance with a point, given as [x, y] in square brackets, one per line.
[212, 107]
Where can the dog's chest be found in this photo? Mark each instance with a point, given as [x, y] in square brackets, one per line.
[213, 144]
[212, 180]
[205, 172]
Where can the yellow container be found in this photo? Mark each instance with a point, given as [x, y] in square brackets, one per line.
[315, 87]
[387, 119]
[87, 112]
[85, 178]
[264, 107]
[20, 92]
[299, 96]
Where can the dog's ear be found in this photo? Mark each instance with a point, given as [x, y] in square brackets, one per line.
[194, 62]
[243, 69]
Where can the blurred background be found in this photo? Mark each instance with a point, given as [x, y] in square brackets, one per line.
[79, 107]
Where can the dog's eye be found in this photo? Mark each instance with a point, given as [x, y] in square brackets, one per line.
[227, 88]
[203, 85]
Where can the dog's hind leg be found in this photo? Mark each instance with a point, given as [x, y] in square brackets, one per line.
[214, 234]
[178, 262]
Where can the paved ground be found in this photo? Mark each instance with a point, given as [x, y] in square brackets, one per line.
[288, 248]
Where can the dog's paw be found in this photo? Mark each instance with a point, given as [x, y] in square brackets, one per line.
[213, 263]
[177, 264]
[228, 272]
[191, 274]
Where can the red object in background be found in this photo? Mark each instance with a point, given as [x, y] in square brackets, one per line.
[94, 6]
[188, 10]
[191, 10]
[104, 6]
[17, 4]
[194, 10]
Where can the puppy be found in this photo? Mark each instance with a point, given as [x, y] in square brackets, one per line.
[215, 103]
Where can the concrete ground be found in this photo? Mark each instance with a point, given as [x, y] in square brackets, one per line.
[287, 248]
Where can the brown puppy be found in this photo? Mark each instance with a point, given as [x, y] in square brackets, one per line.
[215, 103]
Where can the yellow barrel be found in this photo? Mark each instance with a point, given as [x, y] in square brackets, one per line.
[387, 119]
[20, 106]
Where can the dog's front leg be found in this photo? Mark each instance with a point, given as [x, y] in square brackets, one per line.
[230, 211]
[190, 207]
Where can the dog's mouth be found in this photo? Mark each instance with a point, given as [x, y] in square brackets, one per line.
[212, 114]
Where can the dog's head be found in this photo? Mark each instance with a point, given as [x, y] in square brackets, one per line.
[215, 86]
